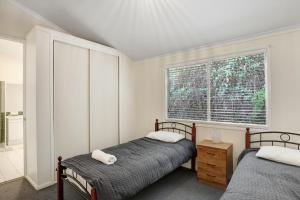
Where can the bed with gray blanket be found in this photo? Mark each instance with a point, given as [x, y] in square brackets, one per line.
[260, 179]
[140, 163]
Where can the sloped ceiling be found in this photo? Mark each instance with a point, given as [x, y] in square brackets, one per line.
[147, 28]
[16, 21]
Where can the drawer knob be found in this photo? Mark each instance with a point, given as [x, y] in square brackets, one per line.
[211, 165]
[211, 176]
[212, 154]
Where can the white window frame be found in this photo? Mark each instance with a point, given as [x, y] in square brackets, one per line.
[216, 123]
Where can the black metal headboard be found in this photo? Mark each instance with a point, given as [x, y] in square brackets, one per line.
[282, 138]
[180, 128]
[176, 126]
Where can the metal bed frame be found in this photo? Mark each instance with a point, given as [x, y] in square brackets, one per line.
[180, 128]
[284, 138]
[72, 179]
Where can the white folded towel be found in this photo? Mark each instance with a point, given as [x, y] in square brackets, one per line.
[104, 157]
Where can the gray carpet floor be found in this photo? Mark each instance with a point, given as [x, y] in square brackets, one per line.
[179, 185]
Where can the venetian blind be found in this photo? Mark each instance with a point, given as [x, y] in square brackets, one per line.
[187, 92]
[222, 90]
[237, 89]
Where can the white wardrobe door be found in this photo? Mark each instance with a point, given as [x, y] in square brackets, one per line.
[71, 100]
[103, 100]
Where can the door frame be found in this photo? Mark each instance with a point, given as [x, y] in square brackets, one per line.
[23, 42]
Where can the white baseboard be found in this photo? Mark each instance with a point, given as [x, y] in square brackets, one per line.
[31, 182]
[41, 186]
[45, 185]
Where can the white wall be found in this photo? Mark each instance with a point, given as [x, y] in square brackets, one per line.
[127, 103]
[30, 112]
[11, 70]
[11, 61]
[284, 51]
[14, 98]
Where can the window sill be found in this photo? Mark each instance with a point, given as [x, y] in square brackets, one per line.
[221, 125]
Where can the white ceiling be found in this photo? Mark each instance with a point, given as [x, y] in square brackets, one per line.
[147, 28]
[17, 22]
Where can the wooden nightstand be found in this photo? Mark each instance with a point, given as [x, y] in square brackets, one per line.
[214, 163]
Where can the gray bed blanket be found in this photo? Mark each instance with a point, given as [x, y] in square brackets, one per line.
[260, 179]
[140, 163]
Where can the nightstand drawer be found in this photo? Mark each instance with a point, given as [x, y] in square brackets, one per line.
[211, 177]
[215, 169]
[212, 156]
[212, 161]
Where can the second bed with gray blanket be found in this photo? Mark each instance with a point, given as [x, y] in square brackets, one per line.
[260, 179]
[140, 163]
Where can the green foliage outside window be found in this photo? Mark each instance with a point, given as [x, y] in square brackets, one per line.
[236, 87]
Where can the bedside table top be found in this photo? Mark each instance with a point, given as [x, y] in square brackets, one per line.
[209, 143]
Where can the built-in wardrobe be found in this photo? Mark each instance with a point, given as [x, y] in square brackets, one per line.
[72, 100]
[85, 100]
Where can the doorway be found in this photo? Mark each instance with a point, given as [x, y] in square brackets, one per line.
[11, 110]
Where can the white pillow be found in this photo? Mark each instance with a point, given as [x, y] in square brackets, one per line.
[280, 154]
[165, 136]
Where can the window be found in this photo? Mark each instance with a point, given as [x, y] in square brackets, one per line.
[187, 92]
[228, 90]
